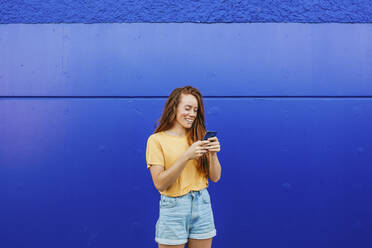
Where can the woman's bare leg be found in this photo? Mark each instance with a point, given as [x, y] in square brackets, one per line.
[171, 246]
[199, 243]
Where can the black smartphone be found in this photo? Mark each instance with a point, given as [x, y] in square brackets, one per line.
[209, 134]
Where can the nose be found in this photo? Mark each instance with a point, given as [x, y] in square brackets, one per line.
[192, 114]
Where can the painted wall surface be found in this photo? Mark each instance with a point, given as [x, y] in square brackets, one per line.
[113, 11]
[292, 104]
[226, 59]
[296, 172]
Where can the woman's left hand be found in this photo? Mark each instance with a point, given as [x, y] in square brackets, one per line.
[213, 146]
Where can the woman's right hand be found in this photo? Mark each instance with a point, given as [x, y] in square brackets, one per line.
[197, 149]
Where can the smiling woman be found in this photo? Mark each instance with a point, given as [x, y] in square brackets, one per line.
[186, 110]
[180, 165]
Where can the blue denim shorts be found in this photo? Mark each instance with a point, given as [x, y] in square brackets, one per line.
[184, 217]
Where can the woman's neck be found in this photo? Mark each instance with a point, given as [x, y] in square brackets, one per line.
[176, 131]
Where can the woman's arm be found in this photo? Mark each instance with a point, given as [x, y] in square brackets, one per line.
[214, 164]
[214, 167]
[163, 179]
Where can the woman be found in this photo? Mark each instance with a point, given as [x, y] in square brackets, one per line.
[181, 164]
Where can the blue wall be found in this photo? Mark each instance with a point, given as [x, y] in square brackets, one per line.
[296, 174]
[237, 59]
[292, 104]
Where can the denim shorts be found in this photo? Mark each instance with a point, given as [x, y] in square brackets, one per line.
[184, 217]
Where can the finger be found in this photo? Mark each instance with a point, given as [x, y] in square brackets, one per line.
[215, 148]
[213, 142]
[212, 147]
[201, 148]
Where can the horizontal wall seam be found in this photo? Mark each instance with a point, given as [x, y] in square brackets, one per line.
[145, 97]
[193, 22]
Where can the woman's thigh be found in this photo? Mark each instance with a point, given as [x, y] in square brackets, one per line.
[171, 246]
[199, 243]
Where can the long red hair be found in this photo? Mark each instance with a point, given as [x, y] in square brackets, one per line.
[197, 130]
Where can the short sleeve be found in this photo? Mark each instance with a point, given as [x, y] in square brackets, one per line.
[154, 153]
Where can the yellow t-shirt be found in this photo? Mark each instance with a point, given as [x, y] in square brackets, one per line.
[164, 149]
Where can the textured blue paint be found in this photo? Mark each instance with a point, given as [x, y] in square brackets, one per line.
[206, 11]
[296, 172]
[237, 59]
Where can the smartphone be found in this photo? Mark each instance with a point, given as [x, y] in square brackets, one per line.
[209, 134]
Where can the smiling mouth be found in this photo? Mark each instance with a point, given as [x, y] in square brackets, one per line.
[189, 120]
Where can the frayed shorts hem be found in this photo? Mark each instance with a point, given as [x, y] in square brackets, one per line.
[184, 241]
[203, 235]
[170, 241]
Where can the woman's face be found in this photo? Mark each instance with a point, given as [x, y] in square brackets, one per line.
[187, 110]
